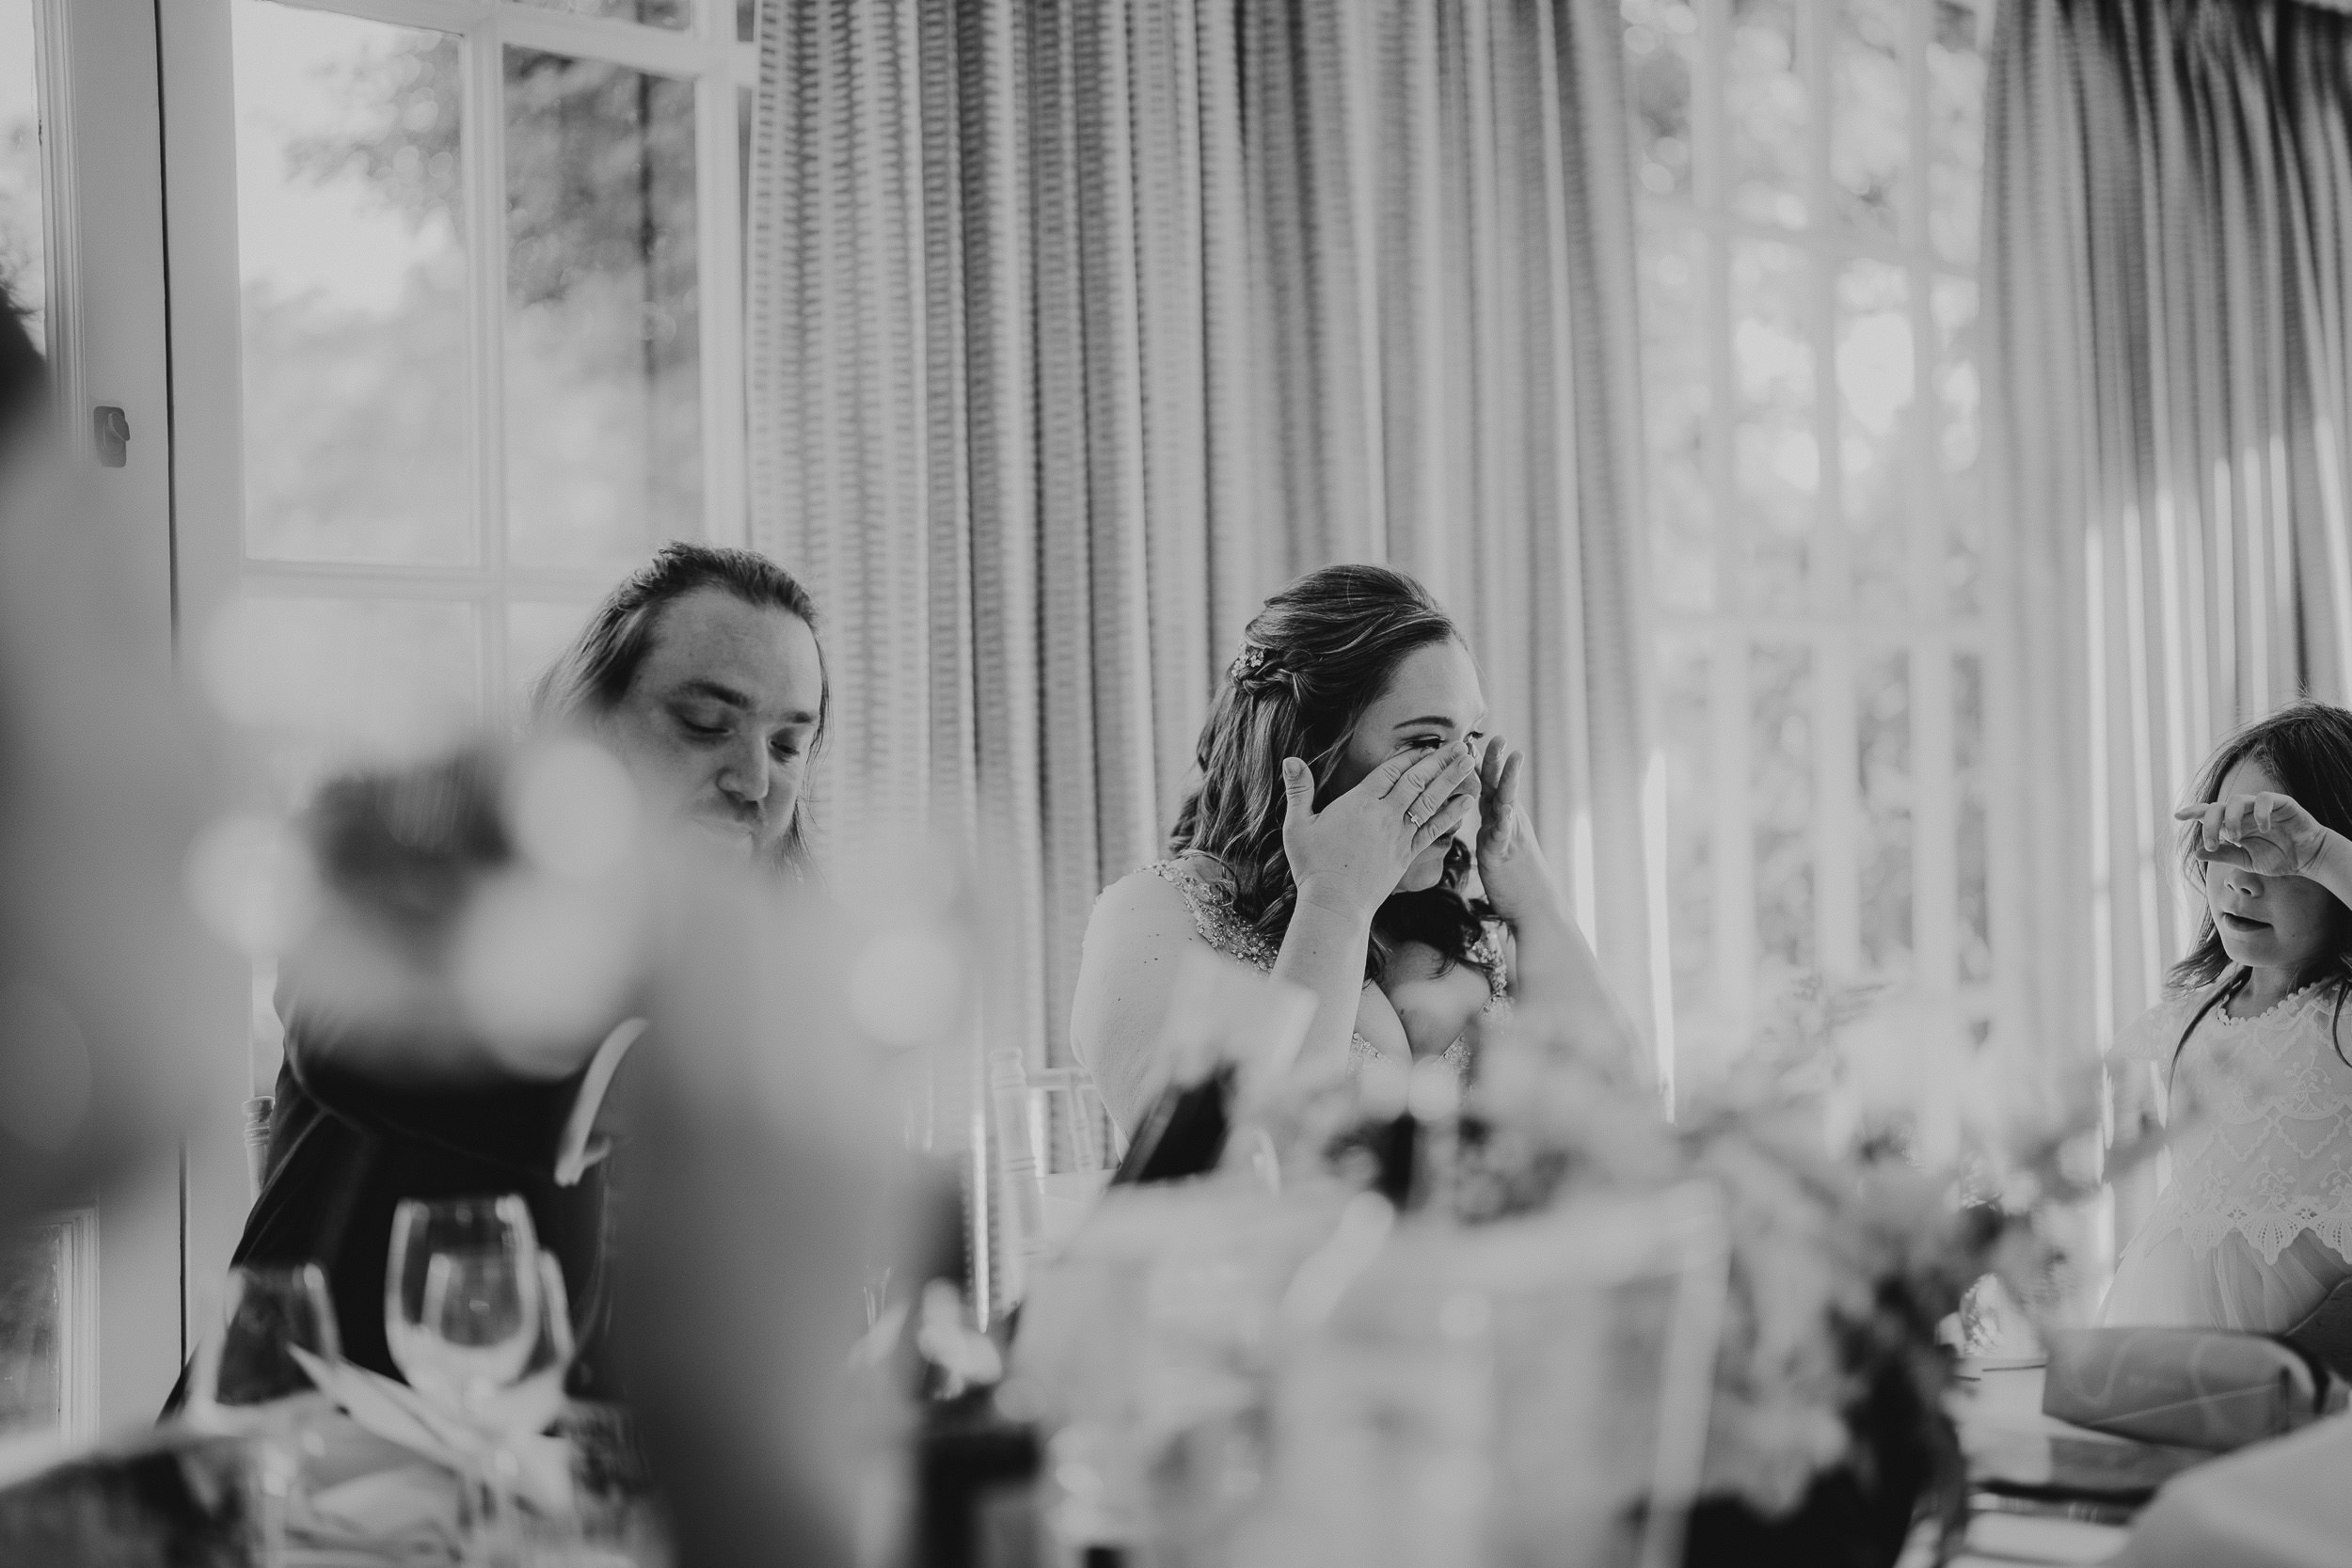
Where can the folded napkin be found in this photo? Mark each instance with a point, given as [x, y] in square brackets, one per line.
[515, 1421]
[2201, 1388]
[2279, 1505]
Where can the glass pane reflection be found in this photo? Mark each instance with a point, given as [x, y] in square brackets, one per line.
[22, 246]
[32, 1300]
[656, 13]
[603, 365]
[352, 246]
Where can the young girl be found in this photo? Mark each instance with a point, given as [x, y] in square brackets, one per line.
[2255, 1228]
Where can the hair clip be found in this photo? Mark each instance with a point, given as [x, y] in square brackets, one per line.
[1249, 662]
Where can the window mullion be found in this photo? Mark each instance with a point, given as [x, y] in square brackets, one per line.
[719, 238]
[1836, 795]
[1733, 844]
[484, 154]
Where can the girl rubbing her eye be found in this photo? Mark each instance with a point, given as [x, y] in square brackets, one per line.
[1348, 794]
[2248, 1055]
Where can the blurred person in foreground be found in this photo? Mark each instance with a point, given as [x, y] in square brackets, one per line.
[456, 1018]
[104, 785]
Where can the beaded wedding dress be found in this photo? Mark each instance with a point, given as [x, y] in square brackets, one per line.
[1212, 916]
[2255, 1226]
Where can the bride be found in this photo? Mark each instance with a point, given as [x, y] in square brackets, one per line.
[1339, 767]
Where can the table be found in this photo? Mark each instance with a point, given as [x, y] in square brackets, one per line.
[2004, 1431]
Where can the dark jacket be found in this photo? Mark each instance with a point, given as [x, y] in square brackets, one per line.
[345, 1147]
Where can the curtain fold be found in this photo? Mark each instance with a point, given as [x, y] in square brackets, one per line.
[1076, 326]
[2167, 193]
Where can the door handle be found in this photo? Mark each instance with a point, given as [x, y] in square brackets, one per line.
[110, 431]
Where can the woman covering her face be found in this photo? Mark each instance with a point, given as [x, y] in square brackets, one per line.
[1349, 787]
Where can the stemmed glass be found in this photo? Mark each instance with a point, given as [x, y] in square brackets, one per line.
[246, 1380]
[463, 1312]
[245, 1371]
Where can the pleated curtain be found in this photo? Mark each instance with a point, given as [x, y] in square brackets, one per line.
[2169, 221]
[1078, 327]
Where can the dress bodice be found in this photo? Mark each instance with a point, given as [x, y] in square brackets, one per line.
[1223, 929]
[2260, 1116]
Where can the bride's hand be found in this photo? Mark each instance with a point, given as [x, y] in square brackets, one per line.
[1518, 881]
[1350, 855]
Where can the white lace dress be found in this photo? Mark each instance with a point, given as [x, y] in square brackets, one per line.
[1212, 916]
[2255, 1226]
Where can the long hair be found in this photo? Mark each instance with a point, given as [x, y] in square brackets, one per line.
[591, 678]
[1318, 653]
[2306, 747]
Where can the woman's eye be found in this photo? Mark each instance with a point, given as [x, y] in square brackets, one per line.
[699, 727]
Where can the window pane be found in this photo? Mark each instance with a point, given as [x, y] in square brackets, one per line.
[746, 21]
[1780, 719]
[1875, 391]
[22, 246]
[1685, 674]
[603, 365]
[1870, 127]
[1954, 128]
[658, 13]
[351, 239]
[536, 633]
[324, 682]
[1883, 718]
[32, 1297]
[1954, 306]
[1976, 917]
[1776, 458]
[1675, 384]
[1767, 108]
[1661, 43]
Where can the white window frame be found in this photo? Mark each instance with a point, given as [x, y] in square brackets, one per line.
[210, 568]
[1839, 635]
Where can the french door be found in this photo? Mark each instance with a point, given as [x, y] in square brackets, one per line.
[94, 1305]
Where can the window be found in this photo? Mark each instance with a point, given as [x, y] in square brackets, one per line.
[1807, 175]
[489, 262]
[489, 258]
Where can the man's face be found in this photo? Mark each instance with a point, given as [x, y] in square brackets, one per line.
[719, 722]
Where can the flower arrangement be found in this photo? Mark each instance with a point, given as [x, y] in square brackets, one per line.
[1875, 1163]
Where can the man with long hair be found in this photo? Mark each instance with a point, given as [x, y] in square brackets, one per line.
[701, 673]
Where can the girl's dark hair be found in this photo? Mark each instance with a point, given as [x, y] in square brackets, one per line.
[1318, 653]
[2306, 747]
[589, 679]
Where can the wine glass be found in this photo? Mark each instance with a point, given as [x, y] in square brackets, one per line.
[245, 1371]
[553, 1348]
[461, 1297]
[246, 1380]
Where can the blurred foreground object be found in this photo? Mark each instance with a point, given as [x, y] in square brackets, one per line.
[2276, 1505]
[767, 1178]
[103, 782]
[174, 1499]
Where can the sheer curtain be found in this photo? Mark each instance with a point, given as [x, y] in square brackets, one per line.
[1077, 327]
[2168, 211]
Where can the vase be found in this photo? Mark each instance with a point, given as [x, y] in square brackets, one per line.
[1853, 1515]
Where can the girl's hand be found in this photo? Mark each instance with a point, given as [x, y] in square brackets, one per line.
[1511, 864]
[1350, 855]
[2267, 833]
